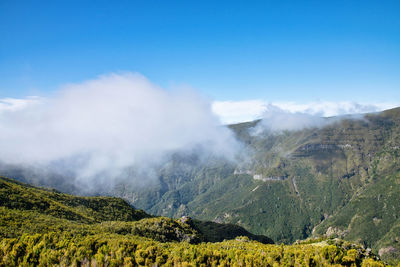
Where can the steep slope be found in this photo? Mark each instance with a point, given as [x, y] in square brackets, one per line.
[26, 209]
[286, 184]
[290, 182]
[44, 227]
[371, 217]
[18, 196]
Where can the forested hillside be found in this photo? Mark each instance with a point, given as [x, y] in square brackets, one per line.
[340, 180]
[294, 184]
[44, 227]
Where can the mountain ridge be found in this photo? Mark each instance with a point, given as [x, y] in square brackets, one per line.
[325, 169]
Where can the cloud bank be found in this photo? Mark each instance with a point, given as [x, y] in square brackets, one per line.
[14, 104]
[101, 126]
[240, 111]
[276, 119]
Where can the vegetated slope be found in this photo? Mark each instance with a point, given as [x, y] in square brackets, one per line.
[371, 217]
[26, 209]
[128, 250]
[44, 227]
[18, 196]
[293, 181]
[288, 183]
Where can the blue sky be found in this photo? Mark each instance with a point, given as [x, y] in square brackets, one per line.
[297, 51]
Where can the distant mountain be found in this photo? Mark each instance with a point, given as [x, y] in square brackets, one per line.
[338, 180]
[342, 179]
[44, 227]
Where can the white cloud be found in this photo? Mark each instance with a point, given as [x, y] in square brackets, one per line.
[240, 111]
[331, 108]
[14, 104]
[104, 125]
[275, 119]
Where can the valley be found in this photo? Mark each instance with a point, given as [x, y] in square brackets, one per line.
[43, 227]
[341, 180]
[294, 184]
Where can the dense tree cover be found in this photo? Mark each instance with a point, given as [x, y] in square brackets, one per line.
[217, 232]
[341, 180]
[14, 195]
[326, 172]
[29, 210]
[31, 234]
[323, 180]
[117, 250]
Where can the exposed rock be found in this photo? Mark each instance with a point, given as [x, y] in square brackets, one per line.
[387, 250]
[255, 188]
[295, 185]
[241, 171]
[272, 178]
[242, 239]
[334, 231]
[186, 220]
[315, 147]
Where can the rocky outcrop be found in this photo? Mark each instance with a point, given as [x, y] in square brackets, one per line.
[272, 178]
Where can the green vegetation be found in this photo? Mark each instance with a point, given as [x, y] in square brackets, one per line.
[341, 180]
[117, 250]
[30, 210]
[217, 232]
[44, 227]
[325, 178]
[14, 195]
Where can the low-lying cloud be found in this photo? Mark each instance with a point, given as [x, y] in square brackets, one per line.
[104, 125]
[238, 111]
[248, 110]
[276, 119]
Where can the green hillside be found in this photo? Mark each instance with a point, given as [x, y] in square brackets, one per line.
[44, 227]
[27, 209]
[341, 180]
[18, 196]
[292, 184]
